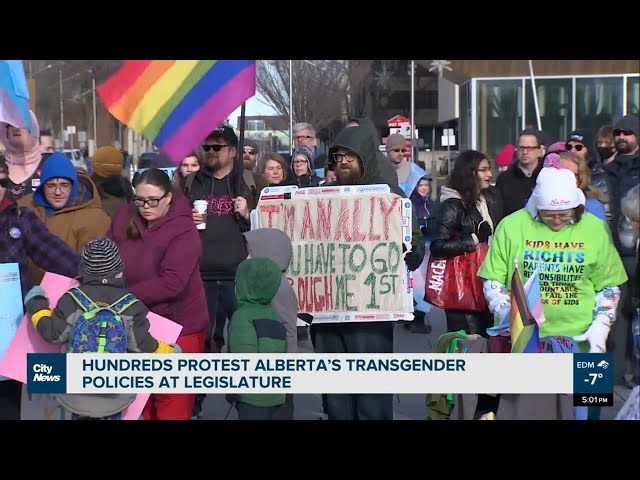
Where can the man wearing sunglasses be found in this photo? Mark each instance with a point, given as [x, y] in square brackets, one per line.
[409, 173]
[250, 154]
[226, 218]
[624, 170]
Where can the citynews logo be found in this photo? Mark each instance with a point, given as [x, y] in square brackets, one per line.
[46, 373]
[43, 373]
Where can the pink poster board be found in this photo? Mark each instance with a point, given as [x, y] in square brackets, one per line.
[28, 340]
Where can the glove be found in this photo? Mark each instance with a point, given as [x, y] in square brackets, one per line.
[597, 334]
[36, 300]
[484, 232]
[168, 348]
[413, 260]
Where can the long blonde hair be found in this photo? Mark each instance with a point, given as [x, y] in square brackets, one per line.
[584, 176]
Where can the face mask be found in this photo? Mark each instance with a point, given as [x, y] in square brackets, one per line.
[606, 152]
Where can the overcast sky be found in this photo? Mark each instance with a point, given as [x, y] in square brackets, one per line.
[254, 107]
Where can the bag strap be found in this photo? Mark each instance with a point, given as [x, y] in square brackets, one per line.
[121, 305]
[249, 179]
[188, 182]
[82, 300]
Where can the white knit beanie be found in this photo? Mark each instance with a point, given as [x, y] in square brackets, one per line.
[555, 190]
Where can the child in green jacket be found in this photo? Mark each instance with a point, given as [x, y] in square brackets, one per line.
[255, 327]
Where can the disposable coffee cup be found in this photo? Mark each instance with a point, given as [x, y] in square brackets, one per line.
[201, 207]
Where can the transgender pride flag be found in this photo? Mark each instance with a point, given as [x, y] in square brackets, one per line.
[14, 95]
[526, 317]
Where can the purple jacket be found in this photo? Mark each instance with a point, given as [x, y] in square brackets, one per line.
[162, 266]
[24, 236]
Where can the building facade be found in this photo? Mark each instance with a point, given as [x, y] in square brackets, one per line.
[495, 102]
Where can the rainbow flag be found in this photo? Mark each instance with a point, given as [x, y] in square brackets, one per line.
[175, 104]
[14, 95]
[523, 325]
[534, 301]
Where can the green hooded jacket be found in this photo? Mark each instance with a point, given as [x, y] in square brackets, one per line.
[255, 327]
[360, 141]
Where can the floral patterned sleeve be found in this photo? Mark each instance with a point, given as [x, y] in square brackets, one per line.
[497, 298]
[607, 303]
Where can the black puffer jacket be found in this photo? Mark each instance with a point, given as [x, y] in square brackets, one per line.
[457, 221]
[600, 180]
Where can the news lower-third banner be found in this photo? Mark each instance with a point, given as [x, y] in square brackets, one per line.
[587, 374]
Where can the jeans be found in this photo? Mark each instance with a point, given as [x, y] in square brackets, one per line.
[221, 303]
[356, 337]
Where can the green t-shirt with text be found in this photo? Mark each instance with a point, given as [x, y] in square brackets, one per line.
[574, 264]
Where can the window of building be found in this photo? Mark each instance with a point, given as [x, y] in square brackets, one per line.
[633, 95]
[498, 114]
[598, 101]
[555, 105]
[255, 125]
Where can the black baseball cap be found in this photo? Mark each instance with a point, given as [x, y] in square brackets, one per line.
[226, 133]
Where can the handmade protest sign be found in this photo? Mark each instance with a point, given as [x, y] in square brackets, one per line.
[348, 256]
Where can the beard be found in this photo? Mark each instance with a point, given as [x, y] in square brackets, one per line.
[347, 176]
[624, 147]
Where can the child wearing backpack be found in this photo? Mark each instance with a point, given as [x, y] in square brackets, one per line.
[255, 327]
[99, 316]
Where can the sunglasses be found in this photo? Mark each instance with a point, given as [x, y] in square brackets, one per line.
[250, 152]
[620, 131]
[399, 150]
[4, 182]
[215, 148]
[577, 148]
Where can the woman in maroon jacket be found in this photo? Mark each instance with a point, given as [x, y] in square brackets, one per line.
[161, 249]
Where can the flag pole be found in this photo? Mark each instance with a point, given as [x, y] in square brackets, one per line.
[535, 94]
[240, 154]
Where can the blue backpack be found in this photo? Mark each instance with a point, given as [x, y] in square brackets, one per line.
[101, 329]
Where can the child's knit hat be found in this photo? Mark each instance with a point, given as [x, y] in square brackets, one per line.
[101, 258]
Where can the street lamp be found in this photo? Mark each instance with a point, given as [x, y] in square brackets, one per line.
[413, 111]
[291, 106]
[46, 67]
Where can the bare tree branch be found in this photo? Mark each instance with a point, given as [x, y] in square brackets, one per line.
[319, 89]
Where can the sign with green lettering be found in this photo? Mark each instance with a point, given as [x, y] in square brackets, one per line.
[348, 256]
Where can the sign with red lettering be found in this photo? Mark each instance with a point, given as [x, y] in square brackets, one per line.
[348, 261]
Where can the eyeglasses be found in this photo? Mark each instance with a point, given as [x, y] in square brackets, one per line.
[4, 182]
[300, 162]
[523, 148]
[151, 202]
[52, 187]
[621, 131]
[215, 148]
[578, 147]
[339, 157]
[565, 217]
[303, 137]
[399, 150]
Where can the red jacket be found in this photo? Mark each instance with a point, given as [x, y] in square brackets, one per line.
[162, 266]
